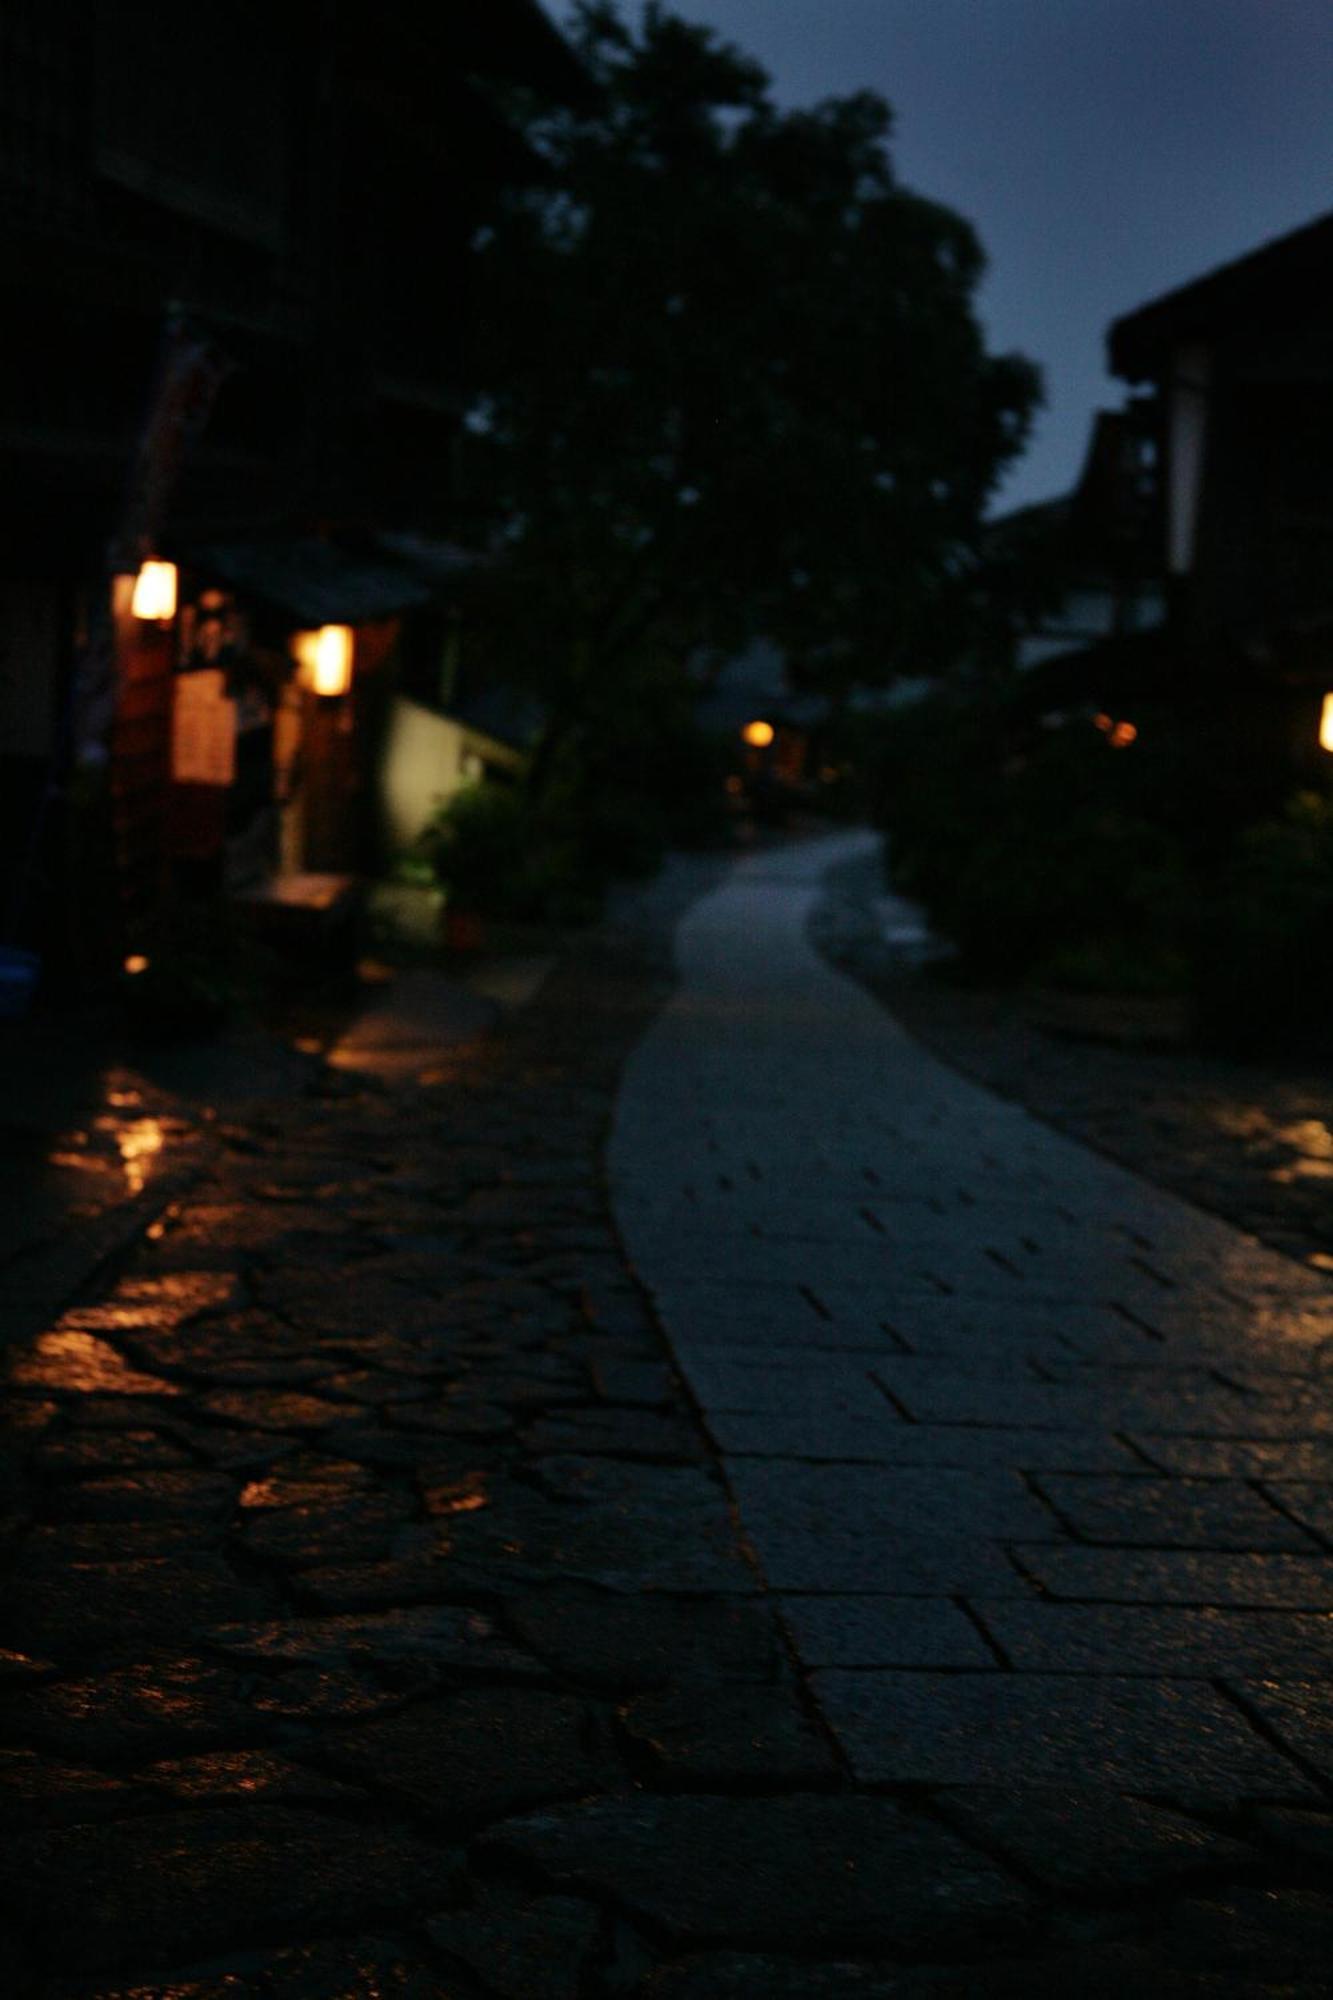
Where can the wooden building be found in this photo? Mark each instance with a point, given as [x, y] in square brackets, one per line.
[235, 253]
[1189, 575]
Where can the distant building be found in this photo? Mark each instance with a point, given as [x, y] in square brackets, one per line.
[1090, 565]
[235, 254]
[1239, 369]
[783, 741]
[1197, 550]
[1082, 570]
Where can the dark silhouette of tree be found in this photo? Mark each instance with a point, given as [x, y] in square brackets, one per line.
[731, 383]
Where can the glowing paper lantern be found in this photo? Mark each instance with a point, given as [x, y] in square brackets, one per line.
[325, 658]
[154, 597]
[1326, 724]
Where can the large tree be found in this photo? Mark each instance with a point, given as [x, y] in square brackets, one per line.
[731, 382]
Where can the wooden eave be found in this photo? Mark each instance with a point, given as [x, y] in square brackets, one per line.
[1261, 286]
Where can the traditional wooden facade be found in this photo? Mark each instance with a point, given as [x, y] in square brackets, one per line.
[1198, 547]
[235, 251]
[1238, 369]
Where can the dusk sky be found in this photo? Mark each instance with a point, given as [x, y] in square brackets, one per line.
[1106, 150]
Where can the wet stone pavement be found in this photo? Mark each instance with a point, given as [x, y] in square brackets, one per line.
[872, 1548]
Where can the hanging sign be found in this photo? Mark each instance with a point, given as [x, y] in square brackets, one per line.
[203, 730]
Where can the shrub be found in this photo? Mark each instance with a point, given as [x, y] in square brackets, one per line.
[1025, 852]
[1117, 965]
[498, 853]
[1264, 950]
[478, 847]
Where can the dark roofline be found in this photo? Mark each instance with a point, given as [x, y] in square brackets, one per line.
[1139, 343]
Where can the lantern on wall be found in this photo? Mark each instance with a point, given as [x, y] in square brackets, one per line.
[758, 735]
[154, 599]
[325, 658]
[1326, 724]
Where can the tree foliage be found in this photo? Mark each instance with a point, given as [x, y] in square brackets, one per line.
[731, 381]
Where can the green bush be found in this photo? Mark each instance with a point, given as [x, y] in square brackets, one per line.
[1044, 854]
[1264, 953]
[1032, 851]
[603, 801]
[480, 848]
[1117, 965]
[498, 853]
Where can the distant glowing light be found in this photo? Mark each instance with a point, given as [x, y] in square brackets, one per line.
[154, 597]
[758, 734]
[1326, 724]
[136, 963]
[1103, 722]
[1122, 735]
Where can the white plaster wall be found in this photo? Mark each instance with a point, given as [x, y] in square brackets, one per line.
[423, 766]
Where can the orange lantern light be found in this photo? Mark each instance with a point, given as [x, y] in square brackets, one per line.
[325, 658]
[758, 735]
[1326, 724]
[154, 598]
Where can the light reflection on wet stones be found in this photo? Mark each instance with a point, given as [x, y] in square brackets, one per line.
[79, 1364]
[357, 1529]
[78, 1611]
[452, 1637]
[272, 1409]
[148, 1710]
[326, 1696]
[256, 1775]
[79, 1455]
[441, 1402]
[372, 1969]
[305, 1481]
[37, 1792]
[67, 1543]
[149, 1496]
[411, 1579]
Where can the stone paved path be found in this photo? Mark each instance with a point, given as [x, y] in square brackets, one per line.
[1039, 1457]
[375, 1623]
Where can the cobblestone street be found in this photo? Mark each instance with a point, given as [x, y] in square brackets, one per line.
[839, 1539]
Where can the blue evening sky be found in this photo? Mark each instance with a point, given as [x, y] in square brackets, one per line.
[1106, 150]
